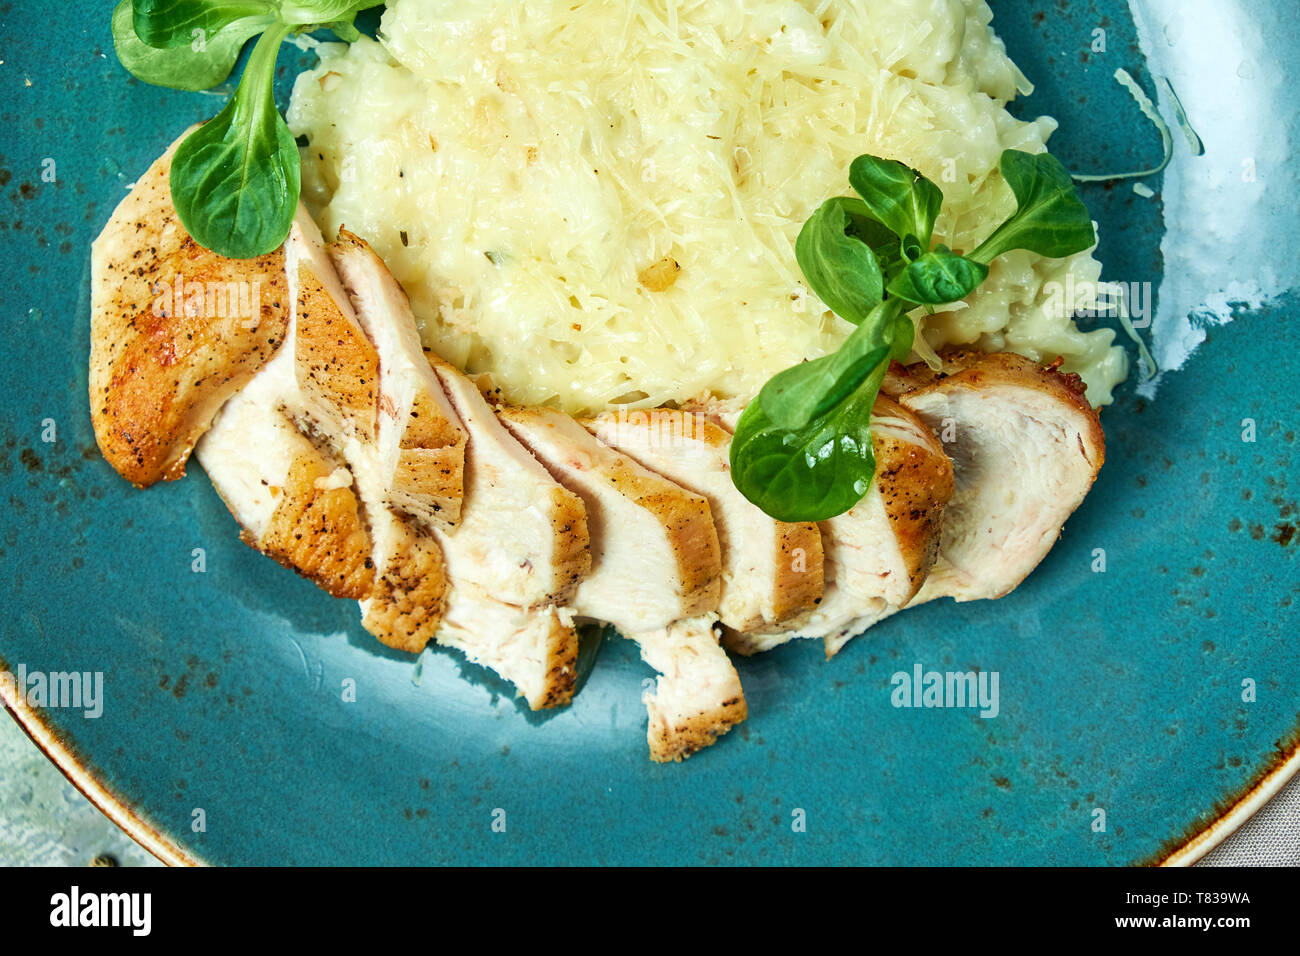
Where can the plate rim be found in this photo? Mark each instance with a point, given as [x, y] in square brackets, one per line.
[59, 752]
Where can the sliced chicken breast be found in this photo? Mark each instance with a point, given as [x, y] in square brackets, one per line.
[654, 551]
[516, 558]
[410, 594]
[328, 380]
[421, 443]
[656, 575]
[536, 649]
[175, 330]
[333, 380]
[522, 537]
[514, 542]
[325, 379]
[697, 696]
[771, 570]
[879, 552]
[883, 549]
[1026, 447]
[335, 393]
[293, 501]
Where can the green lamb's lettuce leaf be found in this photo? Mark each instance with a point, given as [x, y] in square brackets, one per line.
[840, 268]
[192, 67]
[793, 398]
[184, 23]
[938, 277]
[898, 196]
[323, 12]
[813, 472]
[235, 180]
[802, 450]
[1050, 218]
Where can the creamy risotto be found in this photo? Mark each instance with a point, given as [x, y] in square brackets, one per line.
[597, 200]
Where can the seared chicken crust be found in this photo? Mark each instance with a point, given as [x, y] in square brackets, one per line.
[175, 330]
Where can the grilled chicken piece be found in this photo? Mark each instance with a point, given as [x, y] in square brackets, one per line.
[878, 553]
[522, 537]
[330, 384]
[421, 443]
[697, 696]
[293, 501]
[175, 330]
[883, 549]
[1026, 447]
[771, 570]
[325, 380]
[655, 575]
[333, 381]
[536, 649]
[654, 551]
[514, 541]
[515, 558]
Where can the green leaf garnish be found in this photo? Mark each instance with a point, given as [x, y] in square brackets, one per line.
[322, 12]
[1050, 218]
[182, 67]
[841, 268]
[810, 473]
[183, 23]
[802, 450]
[898, 196]
[793, 398]
[235, 181]
[938, 277]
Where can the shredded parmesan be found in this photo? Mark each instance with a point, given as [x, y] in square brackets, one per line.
[596, 201]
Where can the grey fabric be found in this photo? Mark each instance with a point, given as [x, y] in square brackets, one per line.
[1270, 838]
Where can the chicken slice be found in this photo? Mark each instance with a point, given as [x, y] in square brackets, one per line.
[516, 557]
[536, 649]
[513, 541]
[697, 696]
[878, 553]
[654, 550]
[293, 501]
[771, 570]
[522, 537]
[1026, 447]
[332, 381]
[883, 549]
[655, 575]
[421, 443]
[175, 330]
[332, 387]
[325, 380]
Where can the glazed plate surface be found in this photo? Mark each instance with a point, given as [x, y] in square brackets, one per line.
[1119, 690]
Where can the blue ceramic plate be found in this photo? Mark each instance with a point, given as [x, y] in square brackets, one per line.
[224, 738]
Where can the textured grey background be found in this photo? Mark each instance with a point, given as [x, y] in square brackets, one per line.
[45, 821]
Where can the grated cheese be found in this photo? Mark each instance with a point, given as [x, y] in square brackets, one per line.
[596, 201]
